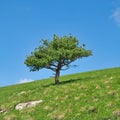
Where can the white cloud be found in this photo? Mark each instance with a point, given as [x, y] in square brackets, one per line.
[116, 11]
[25, 80]
[116, 15]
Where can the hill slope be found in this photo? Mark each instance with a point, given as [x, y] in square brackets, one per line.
[92, 95]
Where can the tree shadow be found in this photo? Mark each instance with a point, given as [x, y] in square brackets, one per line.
[63, 82]
[70, 81]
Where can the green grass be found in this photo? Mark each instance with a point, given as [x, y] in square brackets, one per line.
[93, 95]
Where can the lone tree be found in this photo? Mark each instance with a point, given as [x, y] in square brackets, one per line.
[56, 55]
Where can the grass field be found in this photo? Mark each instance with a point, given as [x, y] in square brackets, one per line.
[93, 95]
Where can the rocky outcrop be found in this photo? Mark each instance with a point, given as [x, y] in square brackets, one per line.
[21, 106]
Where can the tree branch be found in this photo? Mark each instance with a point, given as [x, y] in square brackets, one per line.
[51, 68]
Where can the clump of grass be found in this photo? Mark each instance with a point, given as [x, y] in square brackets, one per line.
[11, 117]
[117, 112]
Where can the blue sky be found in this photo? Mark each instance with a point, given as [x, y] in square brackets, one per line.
[23, 23]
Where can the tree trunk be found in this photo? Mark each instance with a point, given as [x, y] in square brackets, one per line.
[57, 77]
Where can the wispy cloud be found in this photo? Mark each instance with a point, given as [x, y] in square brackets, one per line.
[116, 11]
[25, 80]
[116, 15]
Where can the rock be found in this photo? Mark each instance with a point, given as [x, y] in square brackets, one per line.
[24, 92]
[21, 106]
[21, 93]
[3, 111]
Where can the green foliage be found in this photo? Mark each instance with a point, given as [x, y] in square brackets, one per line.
[93, 95]
[56, 54]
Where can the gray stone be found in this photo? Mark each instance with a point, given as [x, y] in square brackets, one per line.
[21, 106]
[3, 111]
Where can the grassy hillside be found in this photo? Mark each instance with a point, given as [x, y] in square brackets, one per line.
[92, 95]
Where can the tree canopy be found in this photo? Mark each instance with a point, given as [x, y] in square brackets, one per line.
[57, 54]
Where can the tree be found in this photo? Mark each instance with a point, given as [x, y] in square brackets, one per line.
[56, 55]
